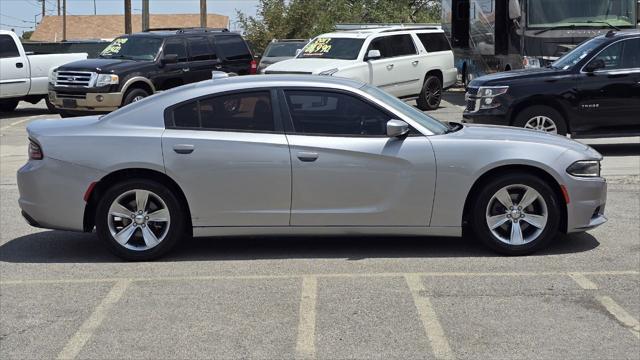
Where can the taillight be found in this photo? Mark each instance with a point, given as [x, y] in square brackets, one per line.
[35, 151]
[254, 67]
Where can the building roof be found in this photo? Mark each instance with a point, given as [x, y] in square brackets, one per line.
[85, 27]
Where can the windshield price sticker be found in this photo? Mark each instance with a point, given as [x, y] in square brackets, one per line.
[319, 47]
[114, 47]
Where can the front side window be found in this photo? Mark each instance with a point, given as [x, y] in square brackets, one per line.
[612, 56]
[334, 113]
[8, 48]
[631, 57]
[133, 48]
[176, 47]
[246, 111]
[332, 48]
[199, 48]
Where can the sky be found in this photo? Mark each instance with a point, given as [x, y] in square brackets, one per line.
[21, 14]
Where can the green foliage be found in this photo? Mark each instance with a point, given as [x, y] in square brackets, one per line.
[303, 19]
[27, 35]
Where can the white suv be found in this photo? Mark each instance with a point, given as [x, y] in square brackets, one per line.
[410, 63]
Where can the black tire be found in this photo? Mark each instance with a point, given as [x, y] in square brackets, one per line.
[431, 95]
[132, 94]
[176, 227]
[50, 107]
[480, 208]
[535, 111]
[8, 105]
[66, 114]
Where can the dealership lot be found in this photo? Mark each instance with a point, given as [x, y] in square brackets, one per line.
[62, 295]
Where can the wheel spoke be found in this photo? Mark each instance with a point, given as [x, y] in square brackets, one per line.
[125, 234]
[538, 221]
[516, 234]
[149, 237]
[528, 198]
[142, 196]
[161, 215]
[495, 221]
[504, 198]
[119, 210]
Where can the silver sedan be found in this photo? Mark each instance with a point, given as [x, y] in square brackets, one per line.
[301, 155]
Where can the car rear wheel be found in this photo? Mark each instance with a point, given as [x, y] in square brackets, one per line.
[140, 219]
[541, 118]
[431, 95]
[134, 95]
[516, 214]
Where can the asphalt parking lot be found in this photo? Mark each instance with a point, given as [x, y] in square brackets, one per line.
[63, 295]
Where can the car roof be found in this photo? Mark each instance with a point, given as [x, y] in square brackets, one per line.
[174, 33]
[365, 32]
[617, 35]
[283, 80]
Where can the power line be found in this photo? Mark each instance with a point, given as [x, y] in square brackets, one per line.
[16, 26]
[15, 18]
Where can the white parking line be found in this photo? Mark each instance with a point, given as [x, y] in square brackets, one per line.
[583, 281]
[14, 124]
[80, 338]
[306, 344]
[621, 314]
[435, 333]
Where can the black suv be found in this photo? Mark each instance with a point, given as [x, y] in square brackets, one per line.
[593, 91]
[135, 66]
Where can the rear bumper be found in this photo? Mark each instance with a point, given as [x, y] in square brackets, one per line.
[96, 102]
[52, 193]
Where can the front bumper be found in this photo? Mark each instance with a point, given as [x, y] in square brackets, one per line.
[588, 198]
[52, 193]
[91, 101]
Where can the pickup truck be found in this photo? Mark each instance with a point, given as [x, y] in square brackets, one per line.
[25, 76]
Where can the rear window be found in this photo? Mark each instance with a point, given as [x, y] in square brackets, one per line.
[232, 47]
[434, 42]
[8, 48]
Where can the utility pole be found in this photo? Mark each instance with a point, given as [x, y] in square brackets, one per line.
[58, 7]
[64, 20]
[145, 15]
[203, 13]
[127, 16]
[95, 11]
[44, 10]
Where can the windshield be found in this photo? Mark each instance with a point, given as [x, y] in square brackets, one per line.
[332, 48]
[577, 54]
[407, 110]
[134, 48]
[587, 13]
[283, 49]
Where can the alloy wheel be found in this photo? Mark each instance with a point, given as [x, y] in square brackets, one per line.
[517, 214]
[138, 219]
[542, 123]
[433, 94]
[137, 98]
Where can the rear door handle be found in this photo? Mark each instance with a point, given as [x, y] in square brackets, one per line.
[307, 156]
[183, 148]
[19, 65]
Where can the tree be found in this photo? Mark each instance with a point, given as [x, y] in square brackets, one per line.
[26, 35]
[303, 19]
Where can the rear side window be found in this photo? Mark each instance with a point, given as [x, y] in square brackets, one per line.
[434, 42]
[246, 111]
[232, 47]
[334, 113]
[394, 45]
[177, 47]
[199, 48]
[8, 48]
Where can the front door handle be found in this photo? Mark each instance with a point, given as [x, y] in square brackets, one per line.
[307, 156]
[185, 69]
[416, 62]
[19, 65]
[218, 67]
[183, 148]
[390, 66]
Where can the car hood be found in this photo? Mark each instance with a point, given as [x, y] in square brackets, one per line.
[514, 75]
[315, 66]
[103, 65]
[494, 133]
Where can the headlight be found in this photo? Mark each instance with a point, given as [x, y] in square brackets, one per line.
[106, 79]
[329, 72]
[53, 74]
[487, 94]
[585, 168]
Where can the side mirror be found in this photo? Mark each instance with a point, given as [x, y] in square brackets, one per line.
[169, 59]
[595, 65]
[373, 55]
[397, 128]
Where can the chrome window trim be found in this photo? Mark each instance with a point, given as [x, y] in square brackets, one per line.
[617, 71]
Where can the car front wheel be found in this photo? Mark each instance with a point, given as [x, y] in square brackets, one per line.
[541, 118]
[140, 219]
[134, 95]
[516, 214]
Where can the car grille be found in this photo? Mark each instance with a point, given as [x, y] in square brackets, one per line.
[472, 100]
[288, 72]
[75, 78]
[70, 95]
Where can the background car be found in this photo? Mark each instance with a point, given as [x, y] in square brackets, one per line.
[135, 66]
[593, 91]
[279, 50]
[410, 62]
[301, 155]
